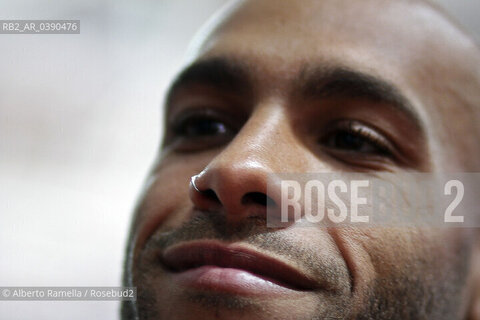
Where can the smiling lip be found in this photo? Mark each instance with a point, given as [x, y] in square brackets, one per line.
[214, 266]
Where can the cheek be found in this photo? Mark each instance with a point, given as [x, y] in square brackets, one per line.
[165, 203]
[423, 253]
[395, 250]
[398, 258]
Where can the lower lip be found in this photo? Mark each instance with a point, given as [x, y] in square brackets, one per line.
[230, 280]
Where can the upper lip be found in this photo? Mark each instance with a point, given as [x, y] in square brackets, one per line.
[191, 255]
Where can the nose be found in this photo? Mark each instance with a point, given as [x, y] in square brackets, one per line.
[238, 190]
[241, 180]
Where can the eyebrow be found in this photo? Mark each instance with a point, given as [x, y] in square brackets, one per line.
[343, 82]
[221, 73]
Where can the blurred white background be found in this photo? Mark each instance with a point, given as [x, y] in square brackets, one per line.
[79, 127]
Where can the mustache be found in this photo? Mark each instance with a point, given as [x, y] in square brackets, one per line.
[253, 231]
[214, 226]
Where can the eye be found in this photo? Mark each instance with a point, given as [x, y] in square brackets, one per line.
[355, 137]
[199, 129]
[200, 126]
[351, 141]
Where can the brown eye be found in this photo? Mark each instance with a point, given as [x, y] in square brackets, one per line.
[351, 141]
[354, 137]
[200, 127]
[197, 130]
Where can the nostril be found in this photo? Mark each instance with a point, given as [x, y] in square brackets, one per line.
[210, 194]
[257, 198]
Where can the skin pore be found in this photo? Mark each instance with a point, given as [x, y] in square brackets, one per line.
[276, 86]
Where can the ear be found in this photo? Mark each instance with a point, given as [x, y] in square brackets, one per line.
[474, 308]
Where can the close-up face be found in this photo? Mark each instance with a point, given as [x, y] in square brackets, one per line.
[275, 87]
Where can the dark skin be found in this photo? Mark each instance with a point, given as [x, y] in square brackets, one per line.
[271, 88]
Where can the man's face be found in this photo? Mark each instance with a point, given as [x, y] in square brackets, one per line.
[296, 87]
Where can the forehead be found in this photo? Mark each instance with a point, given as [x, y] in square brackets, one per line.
[368, 32]
[279, 40]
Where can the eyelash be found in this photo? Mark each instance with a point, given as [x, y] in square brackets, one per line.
[377, 140]
[199, 129]
[180, 126]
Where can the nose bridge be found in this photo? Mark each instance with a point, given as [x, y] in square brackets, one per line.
[264, 139]
[240, 176]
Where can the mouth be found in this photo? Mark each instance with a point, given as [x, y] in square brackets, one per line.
[210, 265]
